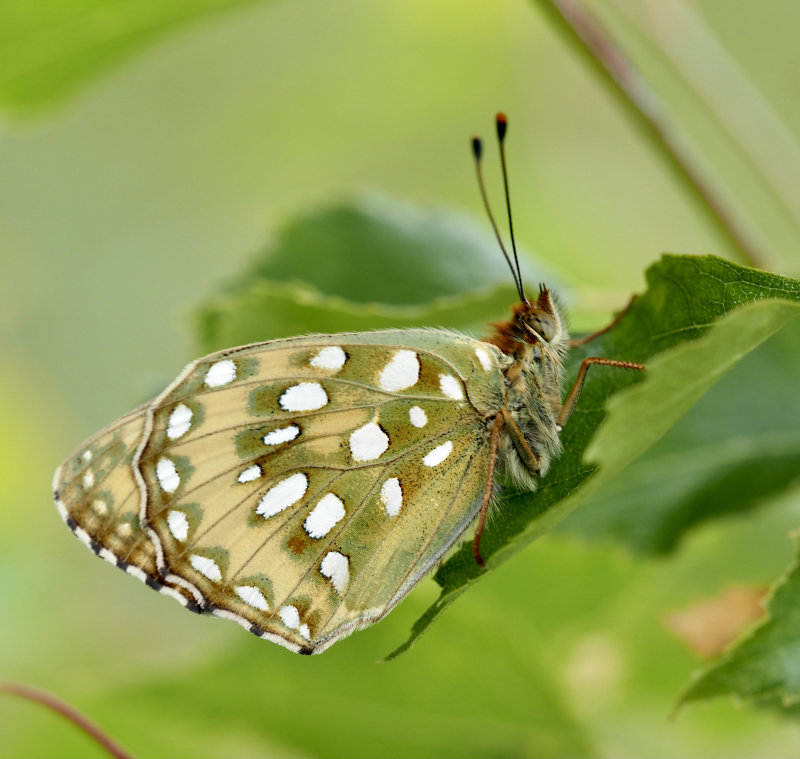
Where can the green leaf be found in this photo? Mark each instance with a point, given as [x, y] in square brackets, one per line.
[764, 667]
[363, 265]
[50, 50]
[275, 309]
[687, 298]
[678, 379]
[376, 249]
[738, 447]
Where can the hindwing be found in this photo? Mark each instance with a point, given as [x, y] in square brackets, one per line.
[97, 496]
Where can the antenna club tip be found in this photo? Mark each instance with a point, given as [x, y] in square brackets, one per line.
[502, 125]
[477, 147]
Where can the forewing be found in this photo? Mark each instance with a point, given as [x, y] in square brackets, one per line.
[301, 487]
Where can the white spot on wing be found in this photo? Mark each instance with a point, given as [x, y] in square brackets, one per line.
[451, 387]
[87, 456]
[336, 567]
[250, 474]
[401, 372]
[326, 514]
[221, 373]
[251, 595]
[290, 617]
[438, 454]
[124, 529]
[167, 475]
[282, 495]
[178, 524]
[304, 396]
[417, 416]
[206, 567]
[304, 632]
[282, 435]
[179, 421]
[88, 479]
[483, 357]
[332, 357]
[367, 443]
[392, 496]
[99, 507]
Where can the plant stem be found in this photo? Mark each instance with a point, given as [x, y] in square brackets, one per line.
[49, 701]
[585, 32]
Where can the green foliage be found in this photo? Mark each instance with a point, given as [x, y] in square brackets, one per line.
[50, 49]
[738, 447]
[371, 713]
[267, 309]
[764, 667]
[380, 250]
[385, 265]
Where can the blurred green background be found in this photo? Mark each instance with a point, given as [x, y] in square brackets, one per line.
[128, 196]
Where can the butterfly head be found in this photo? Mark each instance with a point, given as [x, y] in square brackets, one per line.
[541, 322]
[532, 324]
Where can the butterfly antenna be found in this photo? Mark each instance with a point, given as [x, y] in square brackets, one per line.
[477, 153]
[502, 127]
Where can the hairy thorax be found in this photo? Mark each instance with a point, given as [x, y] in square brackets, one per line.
[534, 341]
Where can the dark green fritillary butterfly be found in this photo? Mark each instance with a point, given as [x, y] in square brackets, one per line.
[302, 487]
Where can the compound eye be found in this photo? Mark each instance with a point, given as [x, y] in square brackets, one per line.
[544, 324]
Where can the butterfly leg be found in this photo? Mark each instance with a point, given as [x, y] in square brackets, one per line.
[526, 454]
[487, 489]
[574, 394]
[529, 458]
[583, 340]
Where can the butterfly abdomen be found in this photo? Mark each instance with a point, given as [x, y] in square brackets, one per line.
[527, 446]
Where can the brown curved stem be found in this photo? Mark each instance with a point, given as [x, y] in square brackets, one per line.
[58, 706]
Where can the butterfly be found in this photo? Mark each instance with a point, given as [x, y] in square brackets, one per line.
[302, 487]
